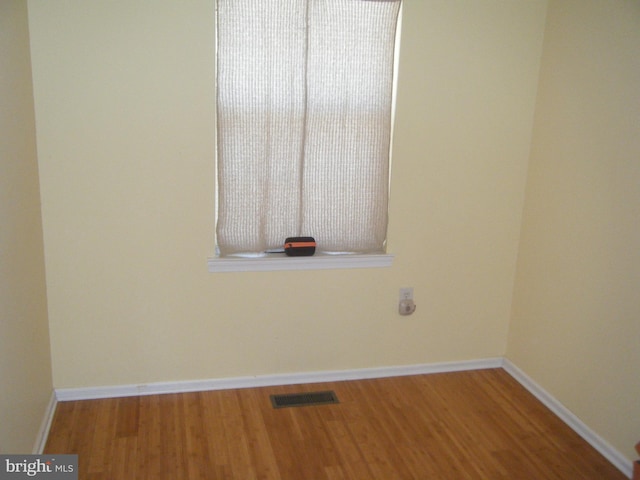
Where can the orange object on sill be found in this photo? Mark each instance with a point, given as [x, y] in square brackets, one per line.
[299, 246]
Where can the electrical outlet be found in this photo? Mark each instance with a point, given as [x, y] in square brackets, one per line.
[406, 293]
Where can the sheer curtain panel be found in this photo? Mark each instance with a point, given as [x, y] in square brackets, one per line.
[304, 92]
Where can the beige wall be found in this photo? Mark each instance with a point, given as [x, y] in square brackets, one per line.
[25, 364]
[575, 326]
[124, 108]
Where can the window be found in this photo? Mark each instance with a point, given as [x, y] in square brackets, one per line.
[304, 98]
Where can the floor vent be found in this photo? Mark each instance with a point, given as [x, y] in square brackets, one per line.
[303, 399]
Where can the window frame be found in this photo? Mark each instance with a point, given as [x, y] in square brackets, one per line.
[279, 262]
[319, 261]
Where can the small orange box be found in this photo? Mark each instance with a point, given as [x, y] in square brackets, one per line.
[300, 246]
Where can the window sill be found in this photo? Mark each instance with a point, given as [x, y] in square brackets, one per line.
[282, 262]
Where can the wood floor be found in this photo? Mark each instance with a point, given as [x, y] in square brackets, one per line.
[467, 425]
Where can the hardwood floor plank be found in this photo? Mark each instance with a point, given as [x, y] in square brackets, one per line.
[124, 462]
[149, 446]
[236, 437]
[196, 442]
[353, 462]
[63, 419]
[104, 430]
[128, 409]
[173, 457]
[463, 425]
[262, 455]
[216, 448]
[374, 430]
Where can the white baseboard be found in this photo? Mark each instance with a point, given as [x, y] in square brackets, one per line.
[66, 394]
[43, 432]
[614, 456]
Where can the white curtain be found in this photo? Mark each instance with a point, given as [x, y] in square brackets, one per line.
[304, 119]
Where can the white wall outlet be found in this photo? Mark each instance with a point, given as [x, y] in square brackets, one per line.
[406, 293]
[406, 305]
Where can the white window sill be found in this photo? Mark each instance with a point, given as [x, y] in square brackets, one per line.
[282, 262]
